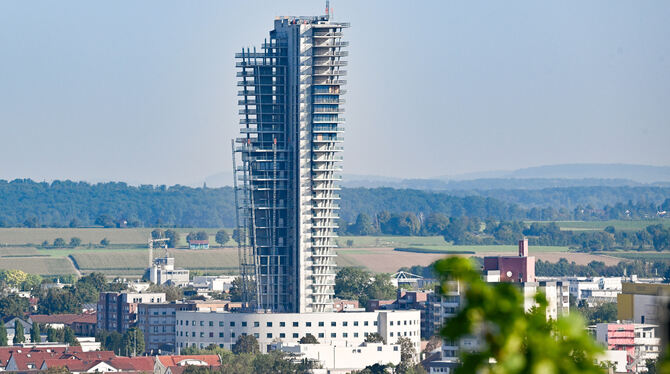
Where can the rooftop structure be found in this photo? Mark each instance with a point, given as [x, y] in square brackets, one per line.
[163, 271]
[519, 268]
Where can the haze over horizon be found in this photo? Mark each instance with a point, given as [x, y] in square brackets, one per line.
[146, 92]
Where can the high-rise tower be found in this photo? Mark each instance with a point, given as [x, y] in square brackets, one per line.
[286, 164]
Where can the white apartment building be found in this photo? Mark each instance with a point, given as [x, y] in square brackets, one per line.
[201, 329]
[221, 283]
[344, 359]
[638, 340]
[595, 290]
[558, 300]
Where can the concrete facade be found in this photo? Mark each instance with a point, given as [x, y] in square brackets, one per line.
[200, 329]
[289, 150]
[117, 311]
[595, 290]
[164, 272]
[519, 268]
[639, 341]
[157, 322]
[641, 302]
[344, 358]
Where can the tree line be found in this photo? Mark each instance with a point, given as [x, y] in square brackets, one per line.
[68, 299]
[25, 203]
[475, 231]
[565, 268]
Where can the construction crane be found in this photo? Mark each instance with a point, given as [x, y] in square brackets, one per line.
[151, 248]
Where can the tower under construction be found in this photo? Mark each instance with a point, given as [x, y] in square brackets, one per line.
[286, 164]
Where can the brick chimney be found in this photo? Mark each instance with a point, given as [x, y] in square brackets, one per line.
[523, 247]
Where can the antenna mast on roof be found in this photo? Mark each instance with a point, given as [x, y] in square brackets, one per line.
[327, 9]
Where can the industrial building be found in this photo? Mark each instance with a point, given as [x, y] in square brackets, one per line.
[642, 302]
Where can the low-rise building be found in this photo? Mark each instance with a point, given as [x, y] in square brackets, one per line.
[641, 302]
[117, 311]
[344, 358]
[163, 271]
[639, 341]
[201, 329]
[114, 364]
[198, 244]
[596, 290]
[167, 364]
[53, 349]
[220, 283]
[340, 305]
[376, 304]
[81, 324]
[157, 322]
[10, 325]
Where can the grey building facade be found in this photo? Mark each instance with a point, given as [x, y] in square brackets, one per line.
[286, 164]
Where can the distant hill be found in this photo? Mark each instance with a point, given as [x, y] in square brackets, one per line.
[222, 179]
[491, 183]
[637, 173]
[549, 176]
[539, 177]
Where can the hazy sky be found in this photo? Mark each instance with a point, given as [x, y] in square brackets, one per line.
[144, 91]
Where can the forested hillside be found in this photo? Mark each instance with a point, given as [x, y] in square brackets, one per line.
[24, 202]
[66, 203]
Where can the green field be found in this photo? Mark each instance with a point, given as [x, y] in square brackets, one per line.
[134, 262]
[477, 249]
[124, 237]
[18, 251]
[646, 256]
[128, 256]
[621, 225]
[38, 265]
[390, 241]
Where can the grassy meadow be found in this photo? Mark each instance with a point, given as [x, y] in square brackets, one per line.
[620, 225]
[127, 255]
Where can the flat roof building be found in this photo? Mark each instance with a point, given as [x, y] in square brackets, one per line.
[641, 302]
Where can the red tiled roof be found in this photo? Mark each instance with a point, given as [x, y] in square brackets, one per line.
[66, 319]
[142, 363]
[90, 356]
[211, 360]
[87, 361]
[31, 360]
[6, 352]
[70, 364]
[177, 369]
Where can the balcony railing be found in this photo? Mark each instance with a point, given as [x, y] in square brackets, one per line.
[329, 62]
[331, 44]
[328, 73]
[325, 100]
[331, 54]
[327, 110]
[327, 149]
[328, 35]
[326, 129]
[333, 120]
